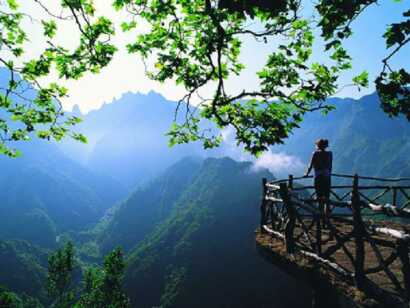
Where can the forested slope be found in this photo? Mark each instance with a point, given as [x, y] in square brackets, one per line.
[201, 249]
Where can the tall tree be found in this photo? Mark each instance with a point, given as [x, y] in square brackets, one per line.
[59, 278]
[103, 287]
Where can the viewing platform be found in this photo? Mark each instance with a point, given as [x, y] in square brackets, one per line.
[358, 254]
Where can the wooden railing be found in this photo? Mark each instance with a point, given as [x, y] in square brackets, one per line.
[372, 253]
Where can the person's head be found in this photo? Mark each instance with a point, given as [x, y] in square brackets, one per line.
[322, 144]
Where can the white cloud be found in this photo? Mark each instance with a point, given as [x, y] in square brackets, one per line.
[279, 163]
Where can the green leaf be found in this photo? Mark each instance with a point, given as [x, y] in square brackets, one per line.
[362, 80]
[49, 27]
[12, 4]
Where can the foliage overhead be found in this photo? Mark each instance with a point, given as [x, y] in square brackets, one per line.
[197, 44]
[27, 104]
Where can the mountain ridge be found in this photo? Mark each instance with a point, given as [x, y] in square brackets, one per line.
[168, 266]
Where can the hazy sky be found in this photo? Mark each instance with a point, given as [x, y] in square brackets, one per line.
[126, 72]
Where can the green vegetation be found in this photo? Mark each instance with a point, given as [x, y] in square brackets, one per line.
[59, 282]
[102, 287]
[10, 299]
[40, 110]
[197, 44]
[147, 207]
[45, 194]
[208, 225]
[172, 287]
[23, 269]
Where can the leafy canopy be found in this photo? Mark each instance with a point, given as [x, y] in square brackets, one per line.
[197, 44]
[29, 106]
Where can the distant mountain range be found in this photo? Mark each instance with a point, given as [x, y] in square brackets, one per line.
[127, 139]
[128, 142]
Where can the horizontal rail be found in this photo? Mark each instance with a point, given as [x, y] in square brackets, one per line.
[311, 210]
[300, 188]
[346, 176]
[370, 178]
[393, 233]
[295, 178]
[270, 185]
[273, 199]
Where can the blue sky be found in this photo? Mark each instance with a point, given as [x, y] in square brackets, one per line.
[367, 46]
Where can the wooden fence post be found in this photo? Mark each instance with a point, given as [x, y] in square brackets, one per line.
[317, 218]
[290, 224]
[403, 254]
[359, 233]
[263, 205]
[394, 201]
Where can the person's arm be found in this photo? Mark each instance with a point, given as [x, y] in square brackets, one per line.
[310, 165]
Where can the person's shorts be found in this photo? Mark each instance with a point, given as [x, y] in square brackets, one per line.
[322, 186]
